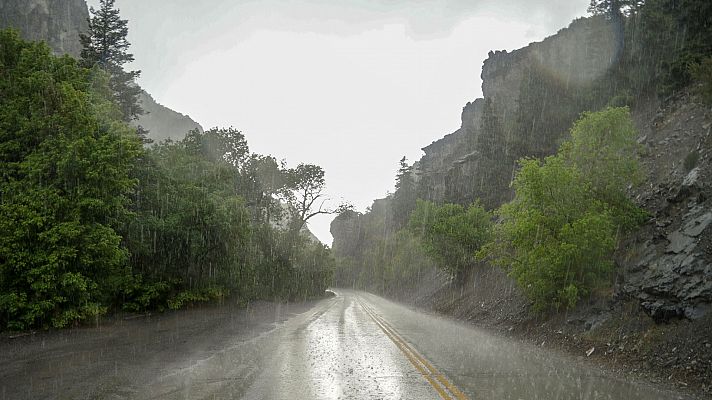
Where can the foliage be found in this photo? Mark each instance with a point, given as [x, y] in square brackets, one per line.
[390, 264]
[668, 36]
[304, 193]
[63, 189]
[195, 232]
[604, 150]
[615, 7]
[558, 235]
[691, 160]
[702, 72]
[405, 195]
[555, 238]
[90, 221]
[105, 47]
[451, 234]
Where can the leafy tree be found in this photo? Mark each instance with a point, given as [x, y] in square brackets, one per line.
[702, 72]
[603, 148]
[64, 189]
[555, 239]
[671, 35]
[105, 46]
[451, 233]
[558, 235]
[304, 194]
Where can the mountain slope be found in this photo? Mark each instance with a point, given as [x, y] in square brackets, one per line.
[59, 23]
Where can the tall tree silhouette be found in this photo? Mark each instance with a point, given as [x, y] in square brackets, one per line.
[105, 46]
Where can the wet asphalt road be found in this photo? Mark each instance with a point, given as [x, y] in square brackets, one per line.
[352, 346]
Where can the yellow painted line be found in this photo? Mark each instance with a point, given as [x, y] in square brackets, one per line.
[440, 383]
[413, 361]
[440, 377]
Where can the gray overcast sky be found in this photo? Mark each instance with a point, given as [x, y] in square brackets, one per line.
[349, 85]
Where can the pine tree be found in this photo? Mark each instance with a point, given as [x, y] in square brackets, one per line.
[405, 194]
[106, 47]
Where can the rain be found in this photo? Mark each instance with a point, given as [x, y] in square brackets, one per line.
[355, 200]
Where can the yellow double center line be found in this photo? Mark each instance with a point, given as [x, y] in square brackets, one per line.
[435, 378]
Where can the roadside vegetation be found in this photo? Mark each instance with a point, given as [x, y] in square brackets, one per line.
[92, 221]
[565, 208]
[556, 238]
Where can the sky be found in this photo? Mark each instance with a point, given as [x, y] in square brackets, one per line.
[350, 85]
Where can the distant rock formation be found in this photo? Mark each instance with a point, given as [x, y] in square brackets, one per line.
[59, 23]
[162, 122]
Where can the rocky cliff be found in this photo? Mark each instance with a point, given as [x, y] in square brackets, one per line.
[667, 265]
[531, 98]
[162, 122]
[59, 23]
[529, 102]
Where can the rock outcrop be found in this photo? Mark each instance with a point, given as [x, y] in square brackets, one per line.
[667, 265]
[526, 111]
[59, 23]
[162, 122]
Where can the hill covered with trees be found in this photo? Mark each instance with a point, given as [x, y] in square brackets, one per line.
[92, 221]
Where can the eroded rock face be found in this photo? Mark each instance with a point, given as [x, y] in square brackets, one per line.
[477, 162]
[667, 265]
[162, 122]
[58, 22]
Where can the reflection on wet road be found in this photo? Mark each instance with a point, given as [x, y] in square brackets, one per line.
[352, 346]
[361, 346]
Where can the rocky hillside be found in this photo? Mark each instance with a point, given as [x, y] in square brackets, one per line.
[655, 320]
[531, 98]
[162, 122]
[59, 23]
[667, 265]
[529, 104]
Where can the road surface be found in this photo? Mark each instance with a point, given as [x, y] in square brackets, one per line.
[352, 346]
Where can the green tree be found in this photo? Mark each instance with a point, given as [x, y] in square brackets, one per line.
[554, 238]
[451, 234]
[403, 200]
[603, 148]
[615, 7]
[105, 46]
[557, 236]
[64, 189]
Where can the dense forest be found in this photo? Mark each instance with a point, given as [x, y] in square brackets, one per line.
[93, 219]
[555, 221]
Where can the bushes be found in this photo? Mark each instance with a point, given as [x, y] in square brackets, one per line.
[63, 190]
[557, 236]
[451, 234]
[91, 221]
[702, 72]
